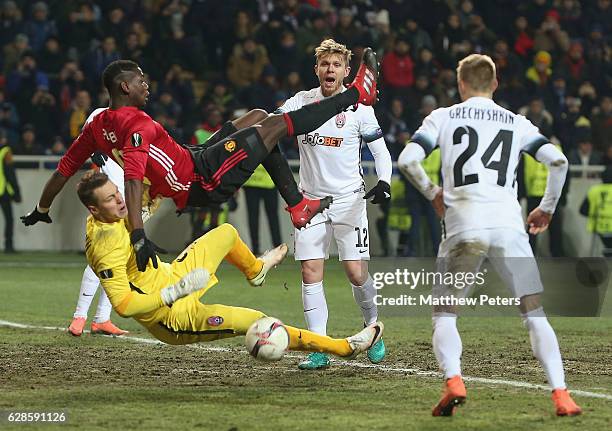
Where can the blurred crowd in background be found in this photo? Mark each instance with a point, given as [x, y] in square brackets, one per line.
[209, 61]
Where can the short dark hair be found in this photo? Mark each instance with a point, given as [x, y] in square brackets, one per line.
[88, 184]
[112, 74]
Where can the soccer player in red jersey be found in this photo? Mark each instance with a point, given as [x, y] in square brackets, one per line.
[193, 176]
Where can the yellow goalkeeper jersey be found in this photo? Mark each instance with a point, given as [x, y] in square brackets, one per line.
[111, 255]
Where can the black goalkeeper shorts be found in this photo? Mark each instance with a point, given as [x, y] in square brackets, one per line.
[224, 166]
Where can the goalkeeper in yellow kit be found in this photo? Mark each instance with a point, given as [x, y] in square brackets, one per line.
[166, 299]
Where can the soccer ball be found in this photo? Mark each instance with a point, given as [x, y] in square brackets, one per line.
[267, 339]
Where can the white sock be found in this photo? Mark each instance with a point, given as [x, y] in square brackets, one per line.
[545, 346]
[89, 285]
[447, 343]
[315, 307]
[364, 297]
[104, 308]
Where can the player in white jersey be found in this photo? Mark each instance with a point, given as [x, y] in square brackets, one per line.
[90, 282]
[330, 165]
[480, 144]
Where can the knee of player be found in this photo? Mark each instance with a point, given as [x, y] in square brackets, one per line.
[357, 273]
[357, 278]
[311, 273]
[530, 304]
[228, 230]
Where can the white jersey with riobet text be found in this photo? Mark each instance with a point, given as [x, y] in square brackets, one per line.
[480, 144]
[330, 157]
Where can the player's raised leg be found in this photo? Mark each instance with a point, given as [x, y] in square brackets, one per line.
[310, 117]
[300, 208]
[224, 242]
[303, 340]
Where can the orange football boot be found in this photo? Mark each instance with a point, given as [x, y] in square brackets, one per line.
[564, 404]
[107, 328]
[454, 394]
[76, 326]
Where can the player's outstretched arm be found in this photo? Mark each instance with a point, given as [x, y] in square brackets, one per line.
[409, 162]
[144, 248]
[41, 211]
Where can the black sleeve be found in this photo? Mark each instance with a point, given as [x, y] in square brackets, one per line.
[534, 146]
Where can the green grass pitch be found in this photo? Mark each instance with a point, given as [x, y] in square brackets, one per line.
[106, 383]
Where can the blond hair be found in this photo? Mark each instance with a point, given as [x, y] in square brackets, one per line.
[330, 46]
[477, 71]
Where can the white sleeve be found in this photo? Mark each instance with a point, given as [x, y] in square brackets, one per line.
[291, 104]
[382, 159]
[409, 162]
[372, 134]
[93, 115]
[427, 135]
[557, 171]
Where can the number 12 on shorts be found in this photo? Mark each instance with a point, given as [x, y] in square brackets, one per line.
[362, 242]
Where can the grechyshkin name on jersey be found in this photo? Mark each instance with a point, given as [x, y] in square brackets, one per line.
[473, 113]
[316, 139]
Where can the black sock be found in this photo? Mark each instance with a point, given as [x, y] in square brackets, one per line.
[311, 117]
[280, 172]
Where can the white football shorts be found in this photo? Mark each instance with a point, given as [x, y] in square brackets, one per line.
[508, 251]
[346, 220]
[115, 174]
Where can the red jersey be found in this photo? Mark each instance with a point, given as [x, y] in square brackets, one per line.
[141, 146]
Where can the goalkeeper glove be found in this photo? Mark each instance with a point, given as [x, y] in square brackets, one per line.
[195, 280]
[381, 192]
[145, 249]
[99, 159]
[35, 216]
